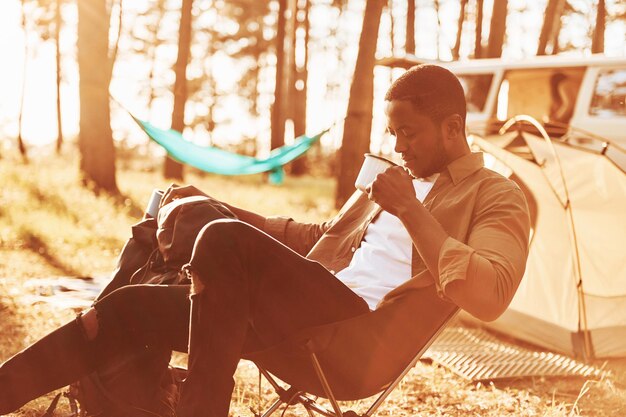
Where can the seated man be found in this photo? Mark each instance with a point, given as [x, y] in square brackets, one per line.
[442, 227]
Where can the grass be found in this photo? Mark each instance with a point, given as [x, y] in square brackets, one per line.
[50, 226]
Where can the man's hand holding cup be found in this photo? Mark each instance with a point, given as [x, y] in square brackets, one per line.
[387, 184]
[372, 166]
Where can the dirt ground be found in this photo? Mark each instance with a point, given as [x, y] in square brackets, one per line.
[428, 390]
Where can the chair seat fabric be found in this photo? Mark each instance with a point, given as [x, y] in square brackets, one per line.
[362, 355]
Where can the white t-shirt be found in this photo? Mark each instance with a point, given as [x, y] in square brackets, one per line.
[383, 260]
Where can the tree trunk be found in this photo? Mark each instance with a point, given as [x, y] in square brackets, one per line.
[497, 31]
[358, 122]
[459, 31]
[278, 111]
[20, 140]
[173, 169]
[597, 43]
[478, 39]
[392, 28]
[551, 27]
[256, 71]
[57, 38]
[558, 24]
[392, 34]
[409, 45]
[95, 140]
[299, 79]
[152, 54]
[438, 33]
[546, 27]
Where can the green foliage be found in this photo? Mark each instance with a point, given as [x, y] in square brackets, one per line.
[51, 225]
[46, 213]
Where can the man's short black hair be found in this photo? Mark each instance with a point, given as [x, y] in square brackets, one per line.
[434, 91]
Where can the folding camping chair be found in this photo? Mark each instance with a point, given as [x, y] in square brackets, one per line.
[294, 395]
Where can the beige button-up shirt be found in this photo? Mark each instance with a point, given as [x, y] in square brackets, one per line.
[484, 214]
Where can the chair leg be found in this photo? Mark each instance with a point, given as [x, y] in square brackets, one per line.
[273, 408]
[312, 406]
[325, 385]
[270, 379]
[309, 404]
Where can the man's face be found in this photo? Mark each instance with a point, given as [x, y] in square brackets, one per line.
[418, 139]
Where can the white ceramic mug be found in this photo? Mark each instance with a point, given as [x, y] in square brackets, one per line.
[372, 166]
[153, 205]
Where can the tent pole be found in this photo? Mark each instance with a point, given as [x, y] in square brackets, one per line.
[582, 310]
[588, 348]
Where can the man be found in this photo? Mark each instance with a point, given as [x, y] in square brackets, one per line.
[441, 233]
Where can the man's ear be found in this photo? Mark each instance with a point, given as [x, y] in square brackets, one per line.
[453, 127]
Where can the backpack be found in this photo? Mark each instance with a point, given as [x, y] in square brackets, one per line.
[145, 384]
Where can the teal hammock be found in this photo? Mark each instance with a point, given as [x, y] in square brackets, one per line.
[218, 161]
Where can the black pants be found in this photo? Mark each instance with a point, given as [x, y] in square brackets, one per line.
[257, 292]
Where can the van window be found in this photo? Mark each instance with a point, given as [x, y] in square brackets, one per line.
[609, 96]
[547, 94]
[476, 88]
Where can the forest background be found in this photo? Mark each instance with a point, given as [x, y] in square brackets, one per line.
[249, 75]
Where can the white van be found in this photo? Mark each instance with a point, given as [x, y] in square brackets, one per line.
[588, 94]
